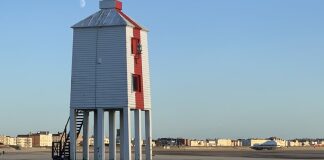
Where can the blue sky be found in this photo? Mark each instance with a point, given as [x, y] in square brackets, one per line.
[231, 68]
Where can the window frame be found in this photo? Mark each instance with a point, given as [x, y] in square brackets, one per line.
[135, 43]
[136, 83]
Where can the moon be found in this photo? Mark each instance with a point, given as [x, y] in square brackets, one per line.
[82, 3]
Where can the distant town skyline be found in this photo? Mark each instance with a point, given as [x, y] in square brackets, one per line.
[220, 69]
[46, 139]
[59, 134]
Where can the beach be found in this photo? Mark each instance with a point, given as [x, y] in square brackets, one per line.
[191, 154]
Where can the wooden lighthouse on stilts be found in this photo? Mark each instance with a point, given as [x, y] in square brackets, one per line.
[110, 73]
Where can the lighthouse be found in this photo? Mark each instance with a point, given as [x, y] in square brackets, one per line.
[110, 73]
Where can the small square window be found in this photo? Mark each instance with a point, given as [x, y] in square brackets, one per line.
[137, 83]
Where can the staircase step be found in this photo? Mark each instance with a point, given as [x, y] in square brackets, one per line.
[64, 152]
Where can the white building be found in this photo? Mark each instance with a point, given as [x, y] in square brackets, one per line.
[42, 139]
[7, 140]
[110, 73]
[91, 141]
[258, 141]
[2, 139]
[211, 143]
[197, 143]
[280, 141]
[253, 141]
[24, 142]
[320, 142]
[294, 143]
[224, 142]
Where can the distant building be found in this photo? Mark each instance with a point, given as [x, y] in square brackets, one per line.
[172, 142]
[294, 143]
[197, 143]
[57, 137]
[253, 141]
[106, 141]
[258, 141]
[306, 142]
[237, 143]
[153, 143]
[166, 142]
[24, 142]
[211, 143]
[79, 140]
[7, 140]
[320, 142]
[280, 141]
[91, 141]
[2, 139]
[42, 139]
[224, 143]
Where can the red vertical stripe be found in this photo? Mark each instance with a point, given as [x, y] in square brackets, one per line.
[139, 96]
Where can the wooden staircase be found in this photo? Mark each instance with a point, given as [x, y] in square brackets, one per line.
[61, 149]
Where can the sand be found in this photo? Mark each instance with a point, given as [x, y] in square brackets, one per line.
[191, 154]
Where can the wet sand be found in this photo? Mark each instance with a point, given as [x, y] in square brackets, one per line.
[280, 154]
[194, 154]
